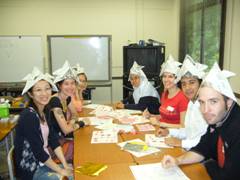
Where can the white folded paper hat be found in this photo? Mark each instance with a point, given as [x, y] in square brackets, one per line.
[219, 81]
[36, 75]
[193, 67]
[65, 72]
[136, 69]
[171, 66]
[78, 69]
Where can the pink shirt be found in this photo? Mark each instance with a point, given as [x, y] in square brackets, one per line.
[45, 133]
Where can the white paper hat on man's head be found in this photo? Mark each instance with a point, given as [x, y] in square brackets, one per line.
[36, 75]
[218, 81]
[65, 72]
[193, 67]
[78, 69]
[136, 69]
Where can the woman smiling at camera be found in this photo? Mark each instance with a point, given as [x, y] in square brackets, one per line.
[34, 135]
[173, 101]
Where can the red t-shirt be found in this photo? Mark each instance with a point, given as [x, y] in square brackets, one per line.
[171, 107]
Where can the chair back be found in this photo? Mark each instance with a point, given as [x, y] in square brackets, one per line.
[11, 164]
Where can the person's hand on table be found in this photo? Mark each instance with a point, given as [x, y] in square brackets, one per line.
[86, 121]
[146, 114]
[162, 131]
[154, 121]
[172, 141]
[119, 105]
[169, 161]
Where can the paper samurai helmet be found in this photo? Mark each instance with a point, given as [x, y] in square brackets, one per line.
[36, 75]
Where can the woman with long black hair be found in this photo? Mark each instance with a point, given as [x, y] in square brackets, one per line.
[34, 135]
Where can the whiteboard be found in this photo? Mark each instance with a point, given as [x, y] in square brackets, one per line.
[91, 52]
[18, 56]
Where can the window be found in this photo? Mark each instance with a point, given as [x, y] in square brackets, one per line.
[202, 30]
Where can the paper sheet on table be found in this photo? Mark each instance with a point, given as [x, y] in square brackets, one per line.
[124, 128]
[92, 106]
[155, 141]
[96, 121]
[155, 171]
[116, 127]
[103, 111]
[135, 146]
[132, 119]
[107, 126]
[104, 137]
[128, 111]
[145, 127]
[149, 150]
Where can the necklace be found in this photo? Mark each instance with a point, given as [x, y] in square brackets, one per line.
[63, 102]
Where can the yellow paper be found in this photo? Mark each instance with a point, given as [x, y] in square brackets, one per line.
[145, 146]
[91, 169]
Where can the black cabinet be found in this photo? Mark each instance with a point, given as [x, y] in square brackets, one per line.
[151, 57]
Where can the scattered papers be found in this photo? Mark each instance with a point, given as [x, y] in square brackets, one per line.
[102, 110]
[147, 151]
[92, 106]
[145, 127]
[91, 169]
[116, 127]
[155, 141]
[124, 128]
[106, 126]
[133, 119]
[100, 121]
[104, 137]
[96, 121]
[128, 111]
[155, 171]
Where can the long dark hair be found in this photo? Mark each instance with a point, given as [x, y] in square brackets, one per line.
[33, 105]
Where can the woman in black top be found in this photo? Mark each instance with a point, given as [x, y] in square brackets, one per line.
[34, 135]
[63, 115]
[144, 94]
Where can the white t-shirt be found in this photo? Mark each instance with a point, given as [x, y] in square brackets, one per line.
[195, 126]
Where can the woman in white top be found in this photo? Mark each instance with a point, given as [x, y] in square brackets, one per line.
[195, 126]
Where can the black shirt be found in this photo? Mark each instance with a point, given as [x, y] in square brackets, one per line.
[150, 102]
[230, 134]
[55, 102]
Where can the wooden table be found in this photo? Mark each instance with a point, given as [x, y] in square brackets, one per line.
[99, 153]
[120, 171]
[6, 129]
[118, 161]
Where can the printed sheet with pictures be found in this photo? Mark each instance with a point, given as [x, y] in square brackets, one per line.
[104, 137]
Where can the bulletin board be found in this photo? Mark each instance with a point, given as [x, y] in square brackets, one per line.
[18, 56]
